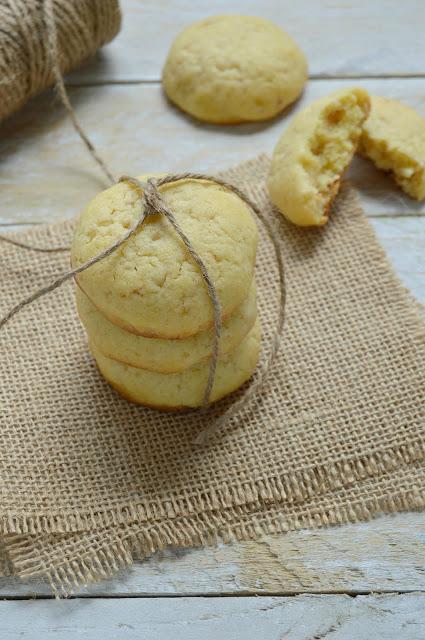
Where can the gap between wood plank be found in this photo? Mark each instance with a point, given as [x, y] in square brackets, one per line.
[319, 76]
[211, 596]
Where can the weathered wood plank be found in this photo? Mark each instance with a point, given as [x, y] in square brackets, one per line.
[339, 38]
[388, 617]
[404, 241]
[47, 174]
[387, 554]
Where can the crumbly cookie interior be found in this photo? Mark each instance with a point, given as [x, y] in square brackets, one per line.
[407, 172]
[332, 146]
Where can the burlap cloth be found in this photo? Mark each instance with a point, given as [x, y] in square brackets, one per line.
[89, 480]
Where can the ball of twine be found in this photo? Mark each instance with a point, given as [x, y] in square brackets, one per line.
[81, 26]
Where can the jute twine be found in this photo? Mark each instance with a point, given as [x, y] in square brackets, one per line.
[152, 202]
[81, 27]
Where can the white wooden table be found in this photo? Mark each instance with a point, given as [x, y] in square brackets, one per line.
[357, 581]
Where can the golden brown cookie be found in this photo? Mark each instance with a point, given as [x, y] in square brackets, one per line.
[313, 153]
[156, 354]
[234, 68]
[394, 139]
[151, 286]
[174, 391]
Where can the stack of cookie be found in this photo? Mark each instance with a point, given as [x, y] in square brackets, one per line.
[146, 308]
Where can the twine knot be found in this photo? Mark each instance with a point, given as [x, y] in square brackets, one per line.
[151, 196]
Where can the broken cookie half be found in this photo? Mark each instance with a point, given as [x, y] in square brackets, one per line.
[313, 153]
[394, 139]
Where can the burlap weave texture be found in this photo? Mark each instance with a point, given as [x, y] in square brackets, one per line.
[342, 410]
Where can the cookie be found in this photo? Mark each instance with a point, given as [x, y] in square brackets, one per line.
[185, 389]
[394, 139]
[151, 286]
[313, 153]
[232, 68]
[156, 354]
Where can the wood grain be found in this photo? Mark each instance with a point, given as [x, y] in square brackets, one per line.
[388, 617]
[340, 37]
[404, 241]
[47, 174]
[387, 554]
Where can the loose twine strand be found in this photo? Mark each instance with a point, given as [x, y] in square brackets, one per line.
[152, 202]
[52, 38]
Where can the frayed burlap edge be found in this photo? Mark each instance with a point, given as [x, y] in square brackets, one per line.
[293, 488]
[194, 531]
